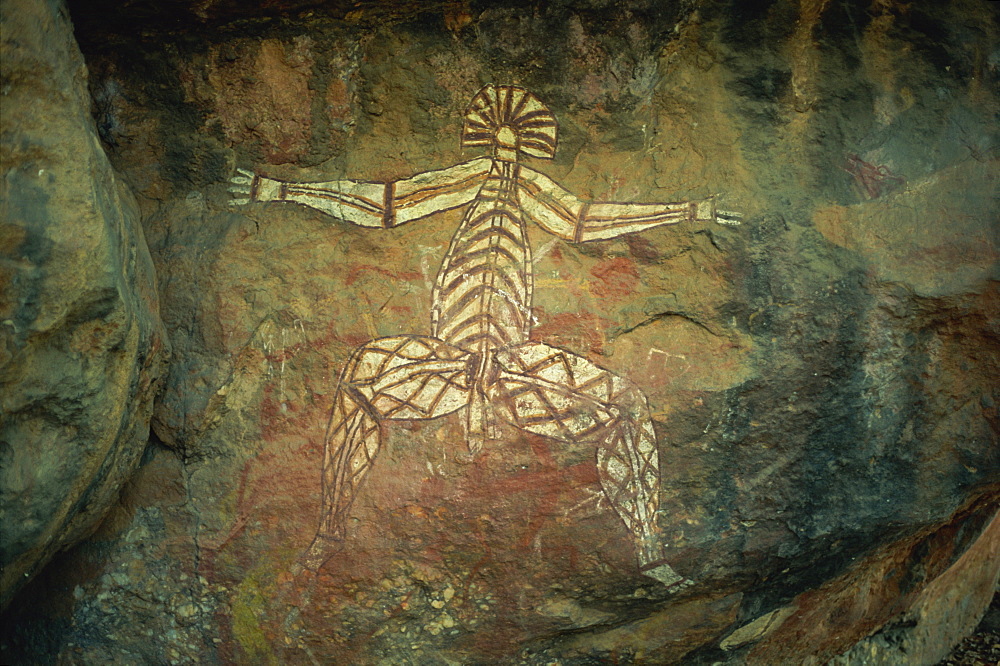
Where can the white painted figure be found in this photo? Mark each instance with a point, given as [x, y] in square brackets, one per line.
[479, 357]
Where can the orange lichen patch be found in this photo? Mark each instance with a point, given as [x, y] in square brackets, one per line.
[416, 511]
[835, 224]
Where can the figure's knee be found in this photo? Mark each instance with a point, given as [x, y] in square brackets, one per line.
[625, 392]
[352, 413]
[376, 356]
[351, 372]
[630, 399]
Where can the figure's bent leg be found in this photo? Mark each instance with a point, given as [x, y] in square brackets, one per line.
[629, 469]
[353, 439]
[402, 377]
[555, 393]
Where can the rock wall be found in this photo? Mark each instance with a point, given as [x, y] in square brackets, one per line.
[821, 380]
[82, 348]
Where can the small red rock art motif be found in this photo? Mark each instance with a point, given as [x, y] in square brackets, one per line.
[479, 358]
[873, 180]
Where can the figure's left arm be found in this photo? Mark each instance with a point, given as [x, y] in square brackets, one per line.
[564, 215]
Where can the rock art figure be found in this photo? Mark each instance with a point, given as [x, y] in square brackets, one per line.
[479, 357]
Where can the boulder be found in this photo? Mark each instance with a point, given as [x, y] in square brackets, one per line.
[82, 348]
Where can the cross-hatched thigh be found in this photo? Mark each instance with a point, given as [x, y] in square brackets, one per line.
[399, 377]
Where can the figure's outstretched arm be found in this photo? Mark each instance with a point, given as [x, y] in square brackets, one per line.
[564, 215]
[366, 204]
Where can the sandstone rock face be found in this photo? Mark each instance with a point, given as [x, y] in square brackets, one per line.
[944, 612]
[821, 380]
[81, 344]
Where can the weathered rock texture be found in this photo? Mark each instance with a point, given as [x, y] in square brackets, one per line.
[81, 342]
[943, 612]
[822, 379]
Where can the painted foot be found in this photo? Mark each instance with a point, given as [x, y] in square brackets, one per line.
[320, 550]
[665, 574]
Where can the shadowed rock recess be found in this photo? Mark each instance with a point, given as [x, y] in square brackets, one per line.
[819, 384]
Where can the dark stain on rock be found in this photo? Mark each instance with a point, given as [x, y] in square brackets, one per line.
[766, 84]
[754, 25]
[842, 23]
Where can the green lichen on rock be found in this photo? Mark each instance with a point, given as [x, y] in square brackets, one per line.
[249, 605]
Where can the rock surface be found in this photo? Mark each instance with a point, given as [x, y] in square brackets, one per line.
[944, 612]
[822, 379]
[82, 348]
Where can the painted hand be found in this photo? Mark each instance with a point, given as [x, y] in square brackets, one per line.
[240, 185]
[728, 217]
[707, 212]
[665, 574]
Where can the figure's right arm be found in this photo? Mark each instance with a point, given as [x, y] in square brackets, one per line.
[365, 204]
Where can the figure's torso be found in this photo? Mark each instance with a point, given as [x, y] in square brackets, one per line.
[482, 299]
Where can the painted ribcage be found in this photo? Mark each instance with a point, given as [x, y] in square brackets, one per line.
[482, 299]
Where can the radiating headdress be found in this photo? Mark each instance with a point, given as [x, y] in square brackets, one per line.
[495, 107]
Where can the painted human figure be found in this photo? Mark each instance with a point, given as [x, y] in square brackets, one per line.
[479, 357]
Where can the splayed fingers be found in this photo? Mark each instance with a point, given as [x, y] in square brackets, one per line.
[241, 184]
[728, 217]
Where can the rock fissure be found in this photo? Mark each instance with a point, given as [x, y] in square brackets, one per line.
[660, 316]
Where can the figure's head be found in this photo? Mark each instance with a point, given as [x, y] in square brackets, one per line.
[511, 120]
